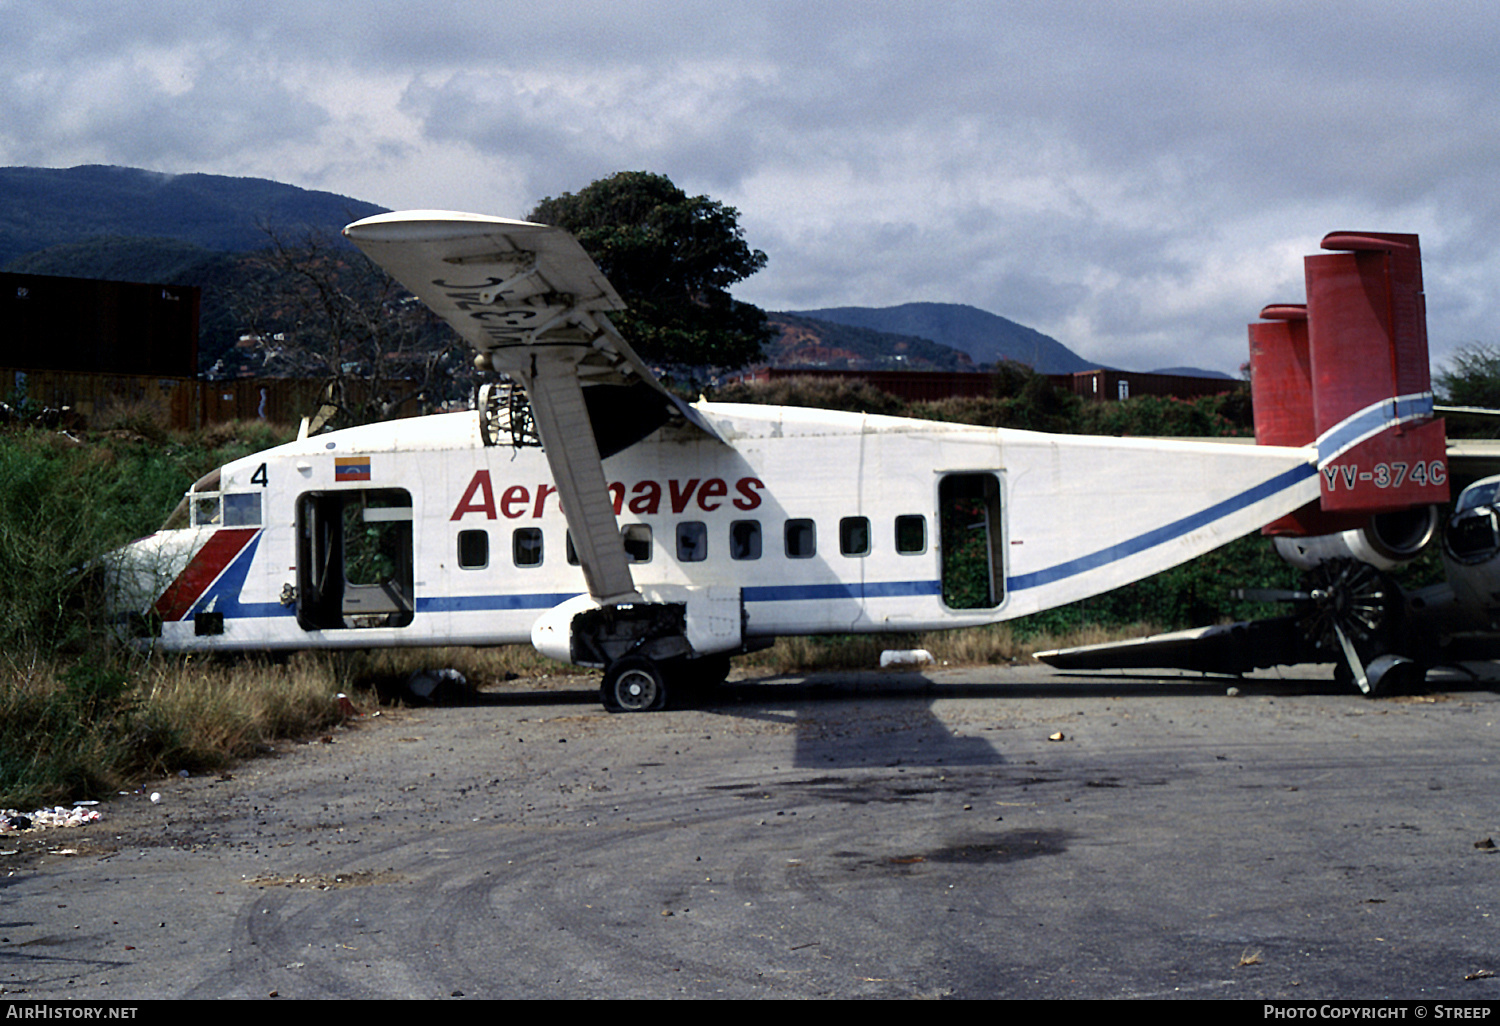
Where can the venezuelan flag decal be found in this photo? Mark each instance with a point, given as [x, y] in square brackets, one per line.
[351, 468]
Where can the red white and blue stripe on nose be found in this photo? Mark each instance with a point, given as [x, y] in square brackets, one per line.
[226, 548]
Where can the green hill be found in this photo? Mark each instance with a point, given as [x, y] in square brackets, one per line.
[808, 342]
[45, 207]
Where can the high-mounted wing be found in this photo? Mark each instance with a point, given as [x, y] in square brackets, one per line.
[535, 307]
[507, 286]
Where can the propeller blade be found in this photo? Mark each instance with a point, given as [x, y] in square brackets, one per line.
[1270, 595]
[1352, 657]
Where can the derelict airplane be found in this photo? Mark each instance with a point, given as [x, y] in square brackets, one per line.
[589, 511]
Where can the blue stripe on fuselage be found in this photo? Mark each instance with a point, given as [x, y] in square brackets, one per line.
[852, 589]
[480, 603]
[1161, 535]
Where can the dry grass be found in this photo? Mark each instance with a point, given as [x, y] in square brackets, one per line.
[975, 646]
[227, 709]
[204, 714]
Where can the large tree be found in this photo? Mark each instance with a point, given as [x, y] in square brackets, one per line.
[322, 309]
[672, 257]
[1472, 378]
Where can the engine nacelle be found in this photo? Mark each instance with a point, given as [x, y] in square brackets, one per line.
[1387, 541]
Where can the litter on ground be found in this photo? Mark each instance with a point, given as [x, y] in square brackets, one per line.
[12, 821]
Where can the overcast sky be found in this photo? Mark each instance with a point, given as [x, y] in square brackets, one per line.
[1136, 179]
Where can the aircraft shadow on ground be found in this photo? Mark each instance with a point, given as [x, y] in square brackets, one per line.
[902, 728]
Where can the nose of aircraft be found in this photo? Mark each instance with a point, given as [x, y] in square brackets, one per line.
[135, 576]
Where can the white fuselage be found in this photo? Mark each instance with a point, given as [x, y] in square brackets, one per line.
[416, 533]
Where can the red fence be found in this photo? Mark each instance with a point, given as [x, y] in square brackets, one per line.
[184, 404]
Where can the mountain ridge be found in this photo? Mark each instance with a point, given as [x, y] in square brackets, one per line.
[45, 207]
[986, 337]
[131, 224]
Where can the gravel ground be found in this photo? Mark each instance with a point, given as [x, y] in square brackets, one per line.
[975, 833]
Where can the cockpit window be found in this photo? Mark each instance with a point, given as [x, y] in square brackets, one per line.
[1480, 493]
[1472, 536]
[212, 509]
[188, 514]
[206, 510]
[242, 510]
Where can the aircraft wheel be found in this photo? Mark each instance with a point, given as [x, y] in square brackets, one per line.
[1395, 675]
[634, 684]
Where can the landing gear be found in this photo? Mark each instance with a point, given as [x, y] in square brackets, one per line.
[633, 684]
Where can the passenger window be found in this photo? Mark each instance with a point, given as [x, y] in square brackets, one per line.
[526, 546]
[637, 542]
[854, 536]
[744, 539]
[911, 535]
[801, 539]
[473, 550]
[692, 541]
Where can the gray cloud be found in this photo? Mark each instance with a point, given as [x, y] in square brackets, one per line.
[1135, 179]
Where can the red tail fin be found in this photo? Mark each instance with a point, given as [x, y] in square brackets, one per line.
[1349, 373]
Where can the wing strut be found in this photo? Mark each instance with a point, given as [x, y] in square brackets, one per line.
[562, 422]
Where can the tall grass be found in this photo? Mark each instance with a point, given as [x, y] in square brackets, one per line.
[63, 503]
[76, 715]
[61, 732]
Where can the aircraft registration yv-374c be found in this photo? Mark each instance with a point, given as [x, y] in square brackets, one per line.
[587, 510]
